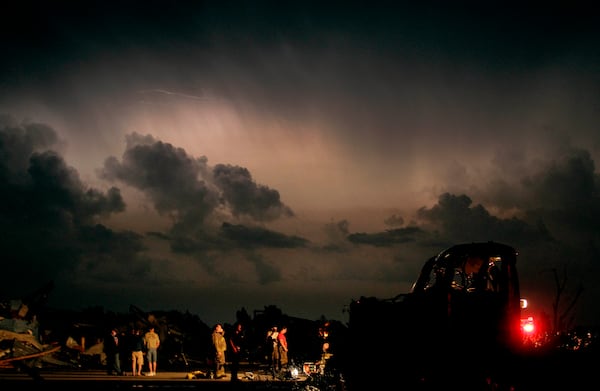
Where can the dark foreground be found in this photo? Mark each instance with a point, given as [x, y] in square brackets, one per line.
[90, 380]
[556, 371]
[533, 372]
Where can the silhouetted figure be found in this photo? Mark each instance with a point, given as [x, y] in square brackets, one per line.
[272, 345]
[236, 345]
[136, 346]
[112, 350]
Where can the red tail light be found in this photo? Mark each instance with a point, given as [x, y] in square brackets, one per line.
[527, 326]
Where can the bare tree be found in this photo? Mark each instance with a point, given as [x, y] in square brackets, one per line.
[565, 319]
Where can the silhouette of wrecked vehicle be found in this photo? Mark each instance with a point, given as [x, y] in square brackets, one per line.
[458, 326]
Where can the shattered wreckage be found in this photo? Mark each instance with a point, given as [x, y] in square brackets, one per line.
[20, 344]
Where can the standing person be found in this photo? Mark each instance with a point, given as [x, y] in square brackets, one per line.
[151, 342]
[137, 352]
[283, 348]
[236, 344]
[272, 346]
[219, 346]
[112, 350]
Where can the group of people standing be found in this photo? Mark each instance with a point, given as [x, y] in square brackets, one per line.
[277, 343]
[145, 348]
[136, 345]
[233, 343]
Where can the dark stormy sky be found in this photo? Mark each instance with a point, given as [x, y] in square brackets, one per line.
[214, 155]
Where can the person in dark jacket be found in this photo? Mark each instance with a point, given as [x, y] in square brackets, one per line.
[112, 349]
[137, 352]
[236, 341]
